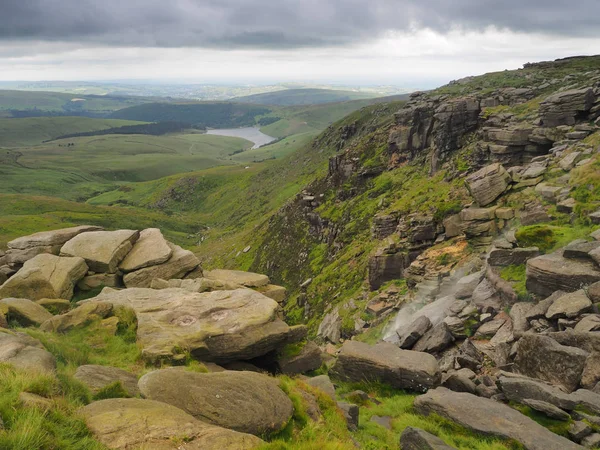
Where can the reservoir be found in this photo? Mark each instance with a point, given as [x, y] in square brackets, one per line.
[251, 134]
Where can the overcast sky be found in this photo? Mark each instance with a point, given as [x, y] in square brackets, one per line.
[412, 43]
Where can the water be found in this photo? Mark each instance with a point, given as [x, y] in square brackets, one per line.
[433, 299]
[251, 134]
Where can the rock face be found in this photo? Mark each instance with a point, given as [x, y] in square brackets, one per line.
[243, 401]
[155, 425]
[150, 249]
[543, 358]
[435, 340]
[25, 352]
[491, 418]
[78, 317]
[102, 250]
[308, 359]
[385, 267]
[563, 108]
[181, 262]
[45, 276]
[219, 326]
[549, 273]
[248, 279]
[487, 184]
[24, 311]
[415, 331]
[518, 388]
[516, 256]
[98, 377]
[402, 369]
[50, 238]
[569, 306]
[417, 439]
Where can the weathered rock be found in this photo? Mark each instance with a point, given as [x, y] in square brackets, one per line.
[491, 418]
[590, 342]
[99, 280]
[97, 378]
[402, 369]
[595, 217]
[569, 305]
[540, 309]
[568, 162]
[547, 408]
[566, 206]
[466, 285]
[45, 276]
[150, 249]
[19, 257]
[579, 430]
[519, 388]
[79, 317]
[34, 401]
[469, 214]
[24, 311]
[549, 273]
[487, 184]
[548, 192]
[102, 250]
[543, 358]
[518, 314]
[588, 323]
[55, 305]
[309, 358]
[435, 340]
[564, 107]
[594, 292]
[415, 331]
[591, 372]
[489, 329]
[179, 264]
[50, 238]
[155, 425]
[512, 257]
[591, 441]
[331, 326]
[248, 279]
[417, 439]
[458, 382]
[323, 383]
[219, 326]
[580, 249]
[243, 401]
[24, 352]
[277, 293]
[384, 267]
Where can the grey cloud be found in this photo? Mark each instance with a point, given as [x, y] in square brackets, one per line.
[277, 23]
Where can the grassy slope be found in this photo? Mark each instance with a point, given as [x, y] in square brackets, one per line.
[290, 97]
[35, 130]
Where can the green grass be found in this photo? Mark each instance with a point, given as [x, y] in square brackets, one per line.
[516, 275]
[549, 237]
[290, 97]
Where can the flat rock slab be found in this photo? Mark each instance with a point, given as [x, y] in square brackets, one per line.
[97, 378]
[50, 238]
[401, 369]
[131, 423]
[24, 311]
[519, 388]
[569, 306]
[102, 250]
[243, 401]
[24, 352]
[549, 273]
[219, 326]
[547, 408]
[178, 265]
[81, 316]
[543, 358]
[45, 276]
[491, 418]
[150, 249]
[248, 279]
[416, 439]
[487, 184]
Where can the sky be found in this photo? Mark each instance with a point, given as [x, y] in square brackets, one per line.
[408, 43]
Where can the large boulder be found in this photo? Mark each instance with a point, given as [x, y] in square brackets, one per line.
[549, 273]
[248, 279]
[26, 353]
[243, 401]
[565, 107]
[79, 317]
[97, 378]
[401, 369]
[150, 249]
[569, 306]
[45, 276]
[131, 423]
[24, 311]
[491, 418]
[409, 336]
[518, 388]
[417, 439]
[543, 358]
[219, 326]
[307, 359]
[50, 238]
[102, 250]
[512, 257]
[178, 265]
[487, 184]
[435, 340]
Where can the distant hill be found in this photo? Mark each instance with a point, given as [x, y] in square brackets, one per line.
[294, 97]
[213, 115]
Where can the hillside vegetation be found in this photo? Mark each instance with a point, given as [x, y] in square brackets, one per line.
[291, 97]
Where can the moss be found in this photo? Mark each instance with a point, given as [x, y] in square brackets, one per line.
[518, 278]
[291, 350]
[113, 390]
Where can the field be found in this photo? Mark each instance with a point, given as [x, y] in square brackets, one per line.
[290, 97]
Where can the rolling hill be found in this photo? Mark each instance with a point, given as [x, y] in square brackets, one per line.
[293, 97]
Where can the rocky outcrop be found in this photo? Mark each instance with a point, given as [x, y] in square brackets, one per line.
[417, 439]
[487, 184]
[243, 401]
[553, 272]
[79, 317]
[402, 369]
[518, 388]
[217, 326]
[102, 250]
[156, 425]
[97, 378]
[307, 359]
[385, 266]
[25, 353]
[45, 276]
[237, 277]
[24, 311]
[565, 108]
[491, 418]
[150, 249]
